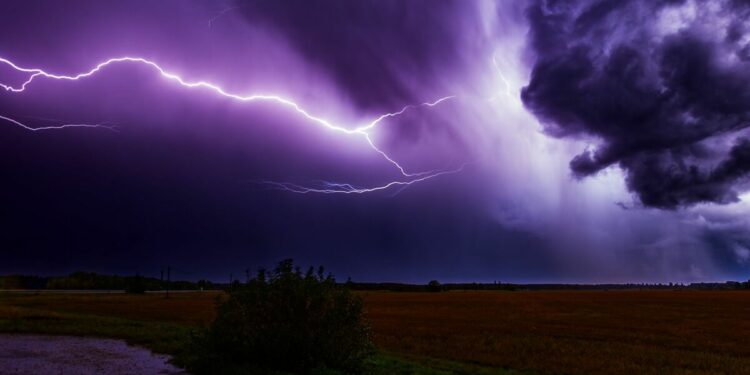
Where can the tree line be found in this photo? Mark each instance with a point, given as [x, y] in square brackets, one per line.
[136, 283]
[95, 281]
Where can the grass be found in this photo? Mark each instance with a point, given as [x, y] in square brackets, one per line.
[159, 336]
[571, 332]
[594, 332]
[165, 326]
[390, 364]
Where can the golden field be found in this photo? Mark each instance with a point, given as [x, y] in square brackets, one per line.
[572, 332]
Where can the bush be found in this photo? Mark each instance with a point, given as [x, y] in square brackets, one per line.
[434, 286]
[286, 321]
[136, 285]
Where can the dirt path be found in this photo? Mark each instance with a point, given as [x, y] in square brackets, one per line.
[34, 354]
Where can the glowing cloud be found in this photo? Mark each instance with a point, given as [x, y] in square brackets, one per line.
[361, 130]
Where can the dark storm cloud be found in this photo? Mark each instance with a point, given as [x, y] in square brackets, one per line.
[379, 51]
[665, 96]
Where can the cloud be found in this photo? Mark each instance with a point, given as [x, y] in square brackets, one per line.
[383, 53]
[664, 86]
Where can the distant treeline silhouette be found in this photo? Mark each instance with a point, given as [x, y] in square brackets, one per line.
[434, 286]
[95, 281]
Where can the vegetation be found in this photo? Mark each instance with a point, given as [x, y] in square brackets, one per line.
[456, 332]
[166, 325]
[22, 282]
[399, 287]
[287, 321]
[134, 318]
[570, 332]
[434, 286]
[136, 285]
[95, 281]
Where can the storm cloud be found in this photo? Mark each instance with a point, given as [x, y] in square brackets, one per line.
[658, 91]
[406, 45]
[661, 87]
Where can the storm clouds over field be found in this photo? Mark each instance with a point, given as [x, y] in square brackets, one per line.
[597, 141]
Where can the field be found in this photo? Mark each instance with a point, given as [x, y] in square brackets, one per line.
[597, 332]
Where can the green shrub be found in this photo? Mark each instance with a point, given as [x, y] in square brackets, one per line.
[288, 322]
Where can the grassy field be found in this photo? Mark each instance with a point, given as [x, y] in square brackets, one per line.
[598, 332]
[165, 326]
[614, 332]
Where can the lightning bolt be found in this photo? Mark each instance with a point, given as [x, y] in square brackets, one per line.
[502, 76]
[362, 130]
[508, 87]
[344, 188]
[58, 127]
[221, 14]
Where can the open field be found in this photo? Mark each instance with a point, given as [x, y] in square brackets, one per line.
[165, 325]
[615, 332]
[579, 332]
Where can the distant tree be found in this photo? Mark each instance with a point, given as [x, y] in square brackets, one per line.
[205, 285]
[12, 282]
[286, 321]
[136, 285]
[434, 286]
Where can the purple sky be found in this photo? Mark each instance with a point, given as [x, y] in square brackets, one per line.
[536, 141]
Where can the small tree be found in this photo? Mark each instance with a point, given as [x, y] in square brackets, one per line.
[288, 321]
[434, 286]
[136, 284]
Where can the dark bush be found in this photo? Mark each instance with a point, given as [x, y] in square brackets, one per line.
[136, 284]
[434, 286]
[286, 321]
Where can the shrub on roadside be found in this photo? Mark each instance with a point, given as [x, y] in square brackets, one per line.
[286, 321]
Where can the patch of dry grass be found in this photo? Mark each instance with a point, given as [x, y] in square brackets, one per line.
[598, 332]
[182, 308]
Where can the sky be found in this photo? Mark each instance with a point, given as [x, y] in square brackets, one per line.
[458, 140]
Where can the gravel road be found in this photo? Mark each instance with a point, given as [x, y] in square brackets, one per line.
[36, 354]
